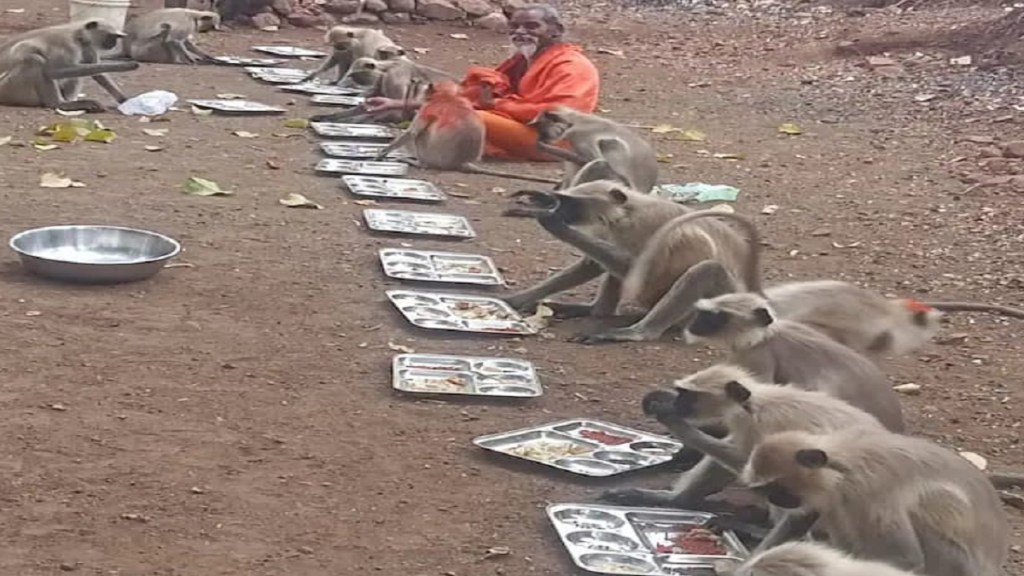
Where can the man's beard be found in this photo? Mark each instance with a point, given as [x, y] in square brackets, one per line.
[527, 50]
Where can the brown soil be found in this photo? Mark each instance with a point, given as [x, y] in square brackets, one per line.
[236, 416]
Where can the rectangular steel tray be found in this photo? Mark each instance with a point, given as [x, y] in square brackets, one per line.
[274, 71]
[585, 455]
[349, 98]
[422, 223]
[241, 61]
[464, 375]
[339, 130]
[364, 167]
[460, 312]
[449, 267]
[237, 106]
[318, 89]
[359, 150]
[400, 188]
[630, 538]
[289, 51]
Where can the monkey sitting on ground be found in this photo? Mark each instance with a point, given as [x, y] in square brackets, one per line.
[786, 352]
[749, 409]
[591, 137]
[350, 44]
[45, 67]
[806, 559]
[666, 256]
[447, 134]
[166, 36]
[885, 497]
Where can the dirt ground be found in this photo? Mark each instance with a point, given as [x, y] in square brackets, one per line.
[236, 417]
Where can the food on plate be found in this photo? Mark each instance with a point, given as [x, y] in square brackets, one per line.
[612, 567]
[480, 311]
[604, 437]
[695, 541]
[449, 384]
[549, 450]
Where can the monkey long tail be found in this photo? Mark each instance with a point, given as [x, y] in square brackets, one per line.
[1004, 480]
[975, 307]
[474, 169]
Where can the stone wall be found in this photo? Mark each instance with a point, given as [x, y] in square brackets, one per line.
[488, 14]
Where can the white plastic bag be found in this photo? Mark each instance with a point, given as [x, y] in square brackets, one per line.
[152, 103]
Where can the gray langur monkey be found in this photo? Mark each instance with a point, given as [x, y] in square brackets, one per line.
[45, 67]
[167, 36]
[886, 497]
[663, 256]
[806, 559]
[749, 410]
[786, 352]
[349, 44]
[591, 137]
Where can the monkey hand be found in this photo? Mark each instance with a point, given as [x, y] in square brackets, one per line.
[565, 310]
[608, 336]
[632, 497]
[659, 403]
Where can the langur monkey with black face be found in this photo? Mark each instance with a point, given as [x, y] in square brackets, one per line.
[749, 410]
[807, 559]
[886, 497]
[785, 352]
[660, 255]
[167, 36]
[447, 134]
[350, 44]
[45, 67]
[591, 137]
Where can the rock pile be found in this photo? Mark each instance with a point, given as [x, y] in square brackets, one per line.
[268, 14]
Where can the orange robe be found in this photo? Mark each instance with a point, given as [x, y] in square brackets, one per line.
[561, 75]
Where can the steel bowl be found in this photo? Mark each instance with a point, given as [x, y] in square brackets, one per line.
[93, 254]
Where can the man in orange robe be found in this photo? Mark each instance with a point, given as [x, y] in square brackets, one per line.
[544, 72]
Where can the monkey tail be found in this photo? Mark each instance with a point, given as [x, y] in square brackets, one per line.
[474, 169]
[1003, 480]
[752, 267]
[976, 307]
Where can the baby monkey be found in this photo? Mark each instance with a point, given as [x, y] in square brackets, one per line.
[167, 36]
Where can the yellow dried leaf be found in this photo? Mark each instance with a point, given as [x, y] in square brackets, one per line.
[44, 146]
[6, 140]
[52, 180]
[155, 131]
[152, 148]
[244, 134]
[294, 200]
[692, 136]
[728, 156]
[791, 129]
[202, 187]
[201, 112]
[664, 129]
[105, 136]
[301, 123]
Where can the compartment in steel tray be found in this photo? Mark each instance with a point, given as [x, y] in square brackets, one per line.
[342, 130]
[318, 89]
[240, 61]
[424, 223]
[620, 540]
[289, 51]
[359, 150]
[237, 106]
[613, 448]
[342, 166]
[449, 267]
[462, 312]
[470, 375]
[350, 98]
[402, 188]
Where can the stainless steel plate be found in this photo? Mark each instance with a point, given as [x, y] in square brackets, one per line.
[422, 223]
[612, 449]
[448, 267]
[317, 88]
[289, 51]
[282, 72]
[339, 130]
[461, 312]
[237, 106]
[359, 150]
[343, 166]
[238, 61]
[468, 375]
[639, 541]
[347, 98]
[401, 188]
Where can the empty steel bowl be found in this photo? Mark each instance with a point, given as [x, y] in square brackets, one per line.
[93, 254]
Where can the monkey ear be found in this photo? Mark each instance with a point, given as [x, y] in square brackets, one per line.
[371, 65]
[811, 458]
[763, 317]
[92, 25]
[737, 392]
[618, 196]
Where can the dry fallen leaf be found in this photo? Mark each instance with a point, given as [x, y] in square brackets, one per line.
[273, 165]
[791, 129]
[51, 180]
[69, 113]
[6, 140]
[611, 52]
[459, 36]
[497, 551]
[421, 50]
[365, 202]
[230, 96]
[692, 136]
[770, 209]
[850, 245]
[44, 147]
[155, 131]
[728, 156]
[296, 123]
[295, 200]
[203, 187]
[977, 459]
[664, 129]
[244, 134]
[908, 389]
[400, 348]
[201, 112]
[105, 136]
[152, 148]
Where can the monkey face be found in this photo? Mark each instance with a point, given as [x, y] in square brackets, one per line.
[550, 126]
[530, 30]
[103, 35]
[709, 323]
[779, 495]
[390, 52]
